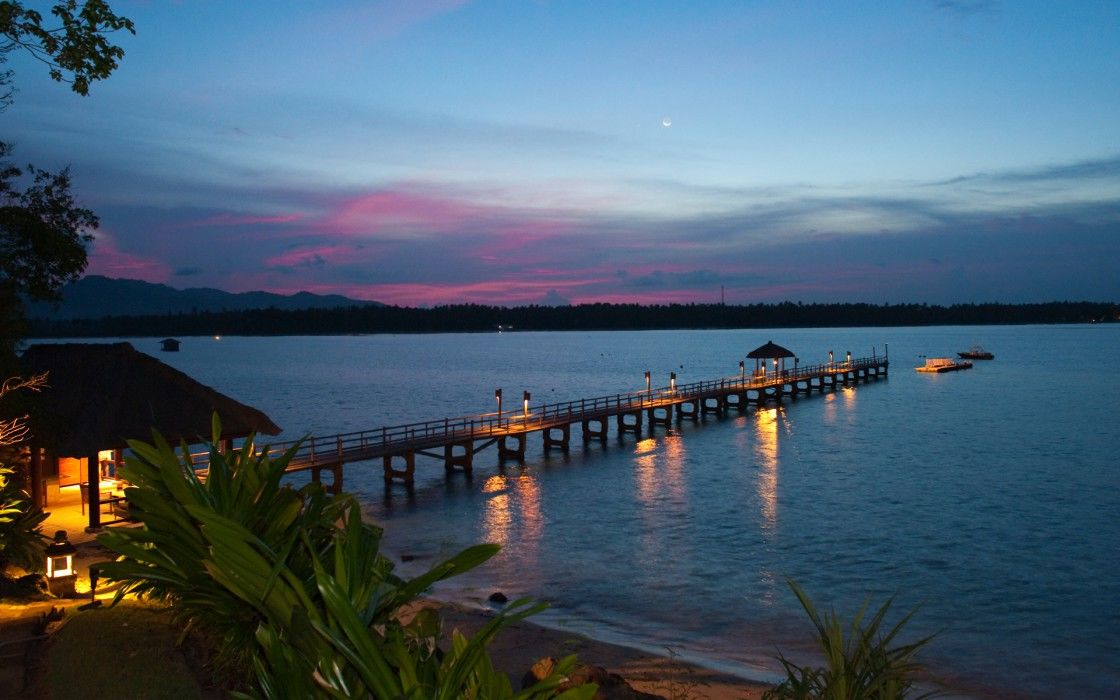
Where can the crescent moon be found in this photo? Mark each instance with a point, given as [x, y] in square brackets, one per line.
[666, 122]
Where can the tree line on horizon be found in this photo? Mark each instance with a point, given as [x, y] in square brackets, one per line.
[481, 318]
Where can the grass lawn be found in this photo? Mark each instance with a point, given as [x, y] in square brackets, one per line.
[123, 652]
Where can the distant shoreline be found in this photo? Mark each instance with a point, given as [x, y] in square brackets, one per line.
[471, 318]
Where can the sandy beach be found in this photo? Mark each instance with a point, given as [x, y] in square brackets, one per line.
[519, 645]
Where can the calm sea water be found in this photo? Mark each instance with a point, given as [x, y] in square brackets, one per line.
[990, 497]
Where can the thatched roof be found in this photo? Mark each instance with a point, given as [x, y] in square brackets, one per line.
[770, 350]
[101, 395]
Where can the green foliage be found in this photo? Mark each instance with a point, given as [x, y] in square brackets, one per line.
[291, 584]
[21, 538]
[43, 237]
[42, 233]
[76, 50]
[859, 665]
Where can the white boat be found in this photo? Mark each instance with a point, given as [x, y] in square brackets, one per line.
[943, 364]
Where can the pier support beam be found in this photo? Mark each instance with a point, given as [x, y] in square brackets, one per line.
[711, 404]
[515, 451]
[552, 440]
[630, 426]
[406, 474]
[736, 400]
[688, 409]
[660, 415]
[464, 460]
[335, 486]
[767, 394]
[594, 429]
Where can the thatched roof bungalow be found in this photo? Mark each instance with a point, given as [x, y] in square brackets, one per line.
[99, 396]
[769, 351]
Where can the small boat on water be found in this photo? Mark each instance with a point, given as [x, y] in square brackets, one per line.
[976, 353]
[943, 364]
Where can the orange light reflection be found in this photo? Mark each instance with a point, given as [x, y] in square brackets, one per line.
[497, 518]
[766, 451]
[514, 504]
[646, 470]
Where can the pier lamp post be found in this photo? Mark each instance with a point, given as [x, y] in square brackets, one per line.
[647, 382]
[849, 357]
[498, 396]
[775, 366]
[830, 358]
[672, 381]
[742, 371]
[525, 405]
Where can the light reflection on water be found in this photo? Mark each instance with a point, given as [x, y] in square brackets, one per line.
[766, 452]
[989, 496]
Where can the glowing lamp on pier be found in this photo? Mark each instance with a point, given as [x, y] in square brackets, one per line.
[60, 564]
[742, 371]
[672, 381]
[525, 407]
[647, 382]
[830, 357]
[849, 357]
[498, 396]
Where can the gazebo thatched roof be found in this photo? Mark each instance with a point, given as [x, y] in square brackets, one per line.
[768, 351]
[101, 395]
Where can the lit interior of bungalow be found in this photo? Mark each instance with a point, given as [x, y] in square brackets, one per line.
[97, 398]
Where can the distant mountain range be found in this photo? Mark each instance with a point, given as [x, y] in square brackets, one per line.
[95, 296]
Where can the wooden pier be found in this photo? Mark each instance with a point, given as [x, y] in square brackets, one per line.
[455, 441]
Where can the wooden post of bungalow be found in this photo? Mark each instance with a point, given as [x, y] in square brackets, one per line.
[93, 488]
[38, 493]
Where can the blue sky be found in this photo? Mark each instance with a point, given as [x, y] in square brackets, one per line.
[444, 151]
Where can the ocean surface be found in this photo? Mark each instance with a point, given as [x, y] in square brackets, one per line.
[989, 498]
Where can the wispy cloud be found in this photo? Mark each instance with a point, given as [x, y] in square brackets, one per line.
[1092, 170]
[431, 242]
[965, 7]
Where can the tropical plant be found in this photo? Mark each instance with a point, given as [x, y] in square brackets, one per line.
[859, 665]
[21, 538]
[291, 584]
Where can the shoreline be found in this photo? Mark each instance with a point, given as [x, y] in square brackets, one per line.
[520, 644]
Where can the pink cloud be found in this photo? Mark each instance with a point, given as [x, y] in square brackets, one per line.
[107, 259]
[399, 211]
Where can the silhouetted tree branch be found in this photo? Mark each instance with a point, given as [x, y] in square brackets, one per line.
[76, 51]
[14, 430]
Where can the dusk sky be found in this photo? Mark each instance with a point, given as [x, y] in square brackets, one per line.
[427, 152]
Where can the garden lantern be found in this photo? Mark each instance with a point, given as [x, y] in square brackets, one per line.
[60, 564]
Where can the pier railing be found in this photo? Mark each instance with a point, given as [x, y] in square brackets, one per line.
[427, 434]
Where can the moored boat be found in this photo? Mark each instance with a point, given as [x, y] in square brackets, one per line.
[976, 353]
[943, 364]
